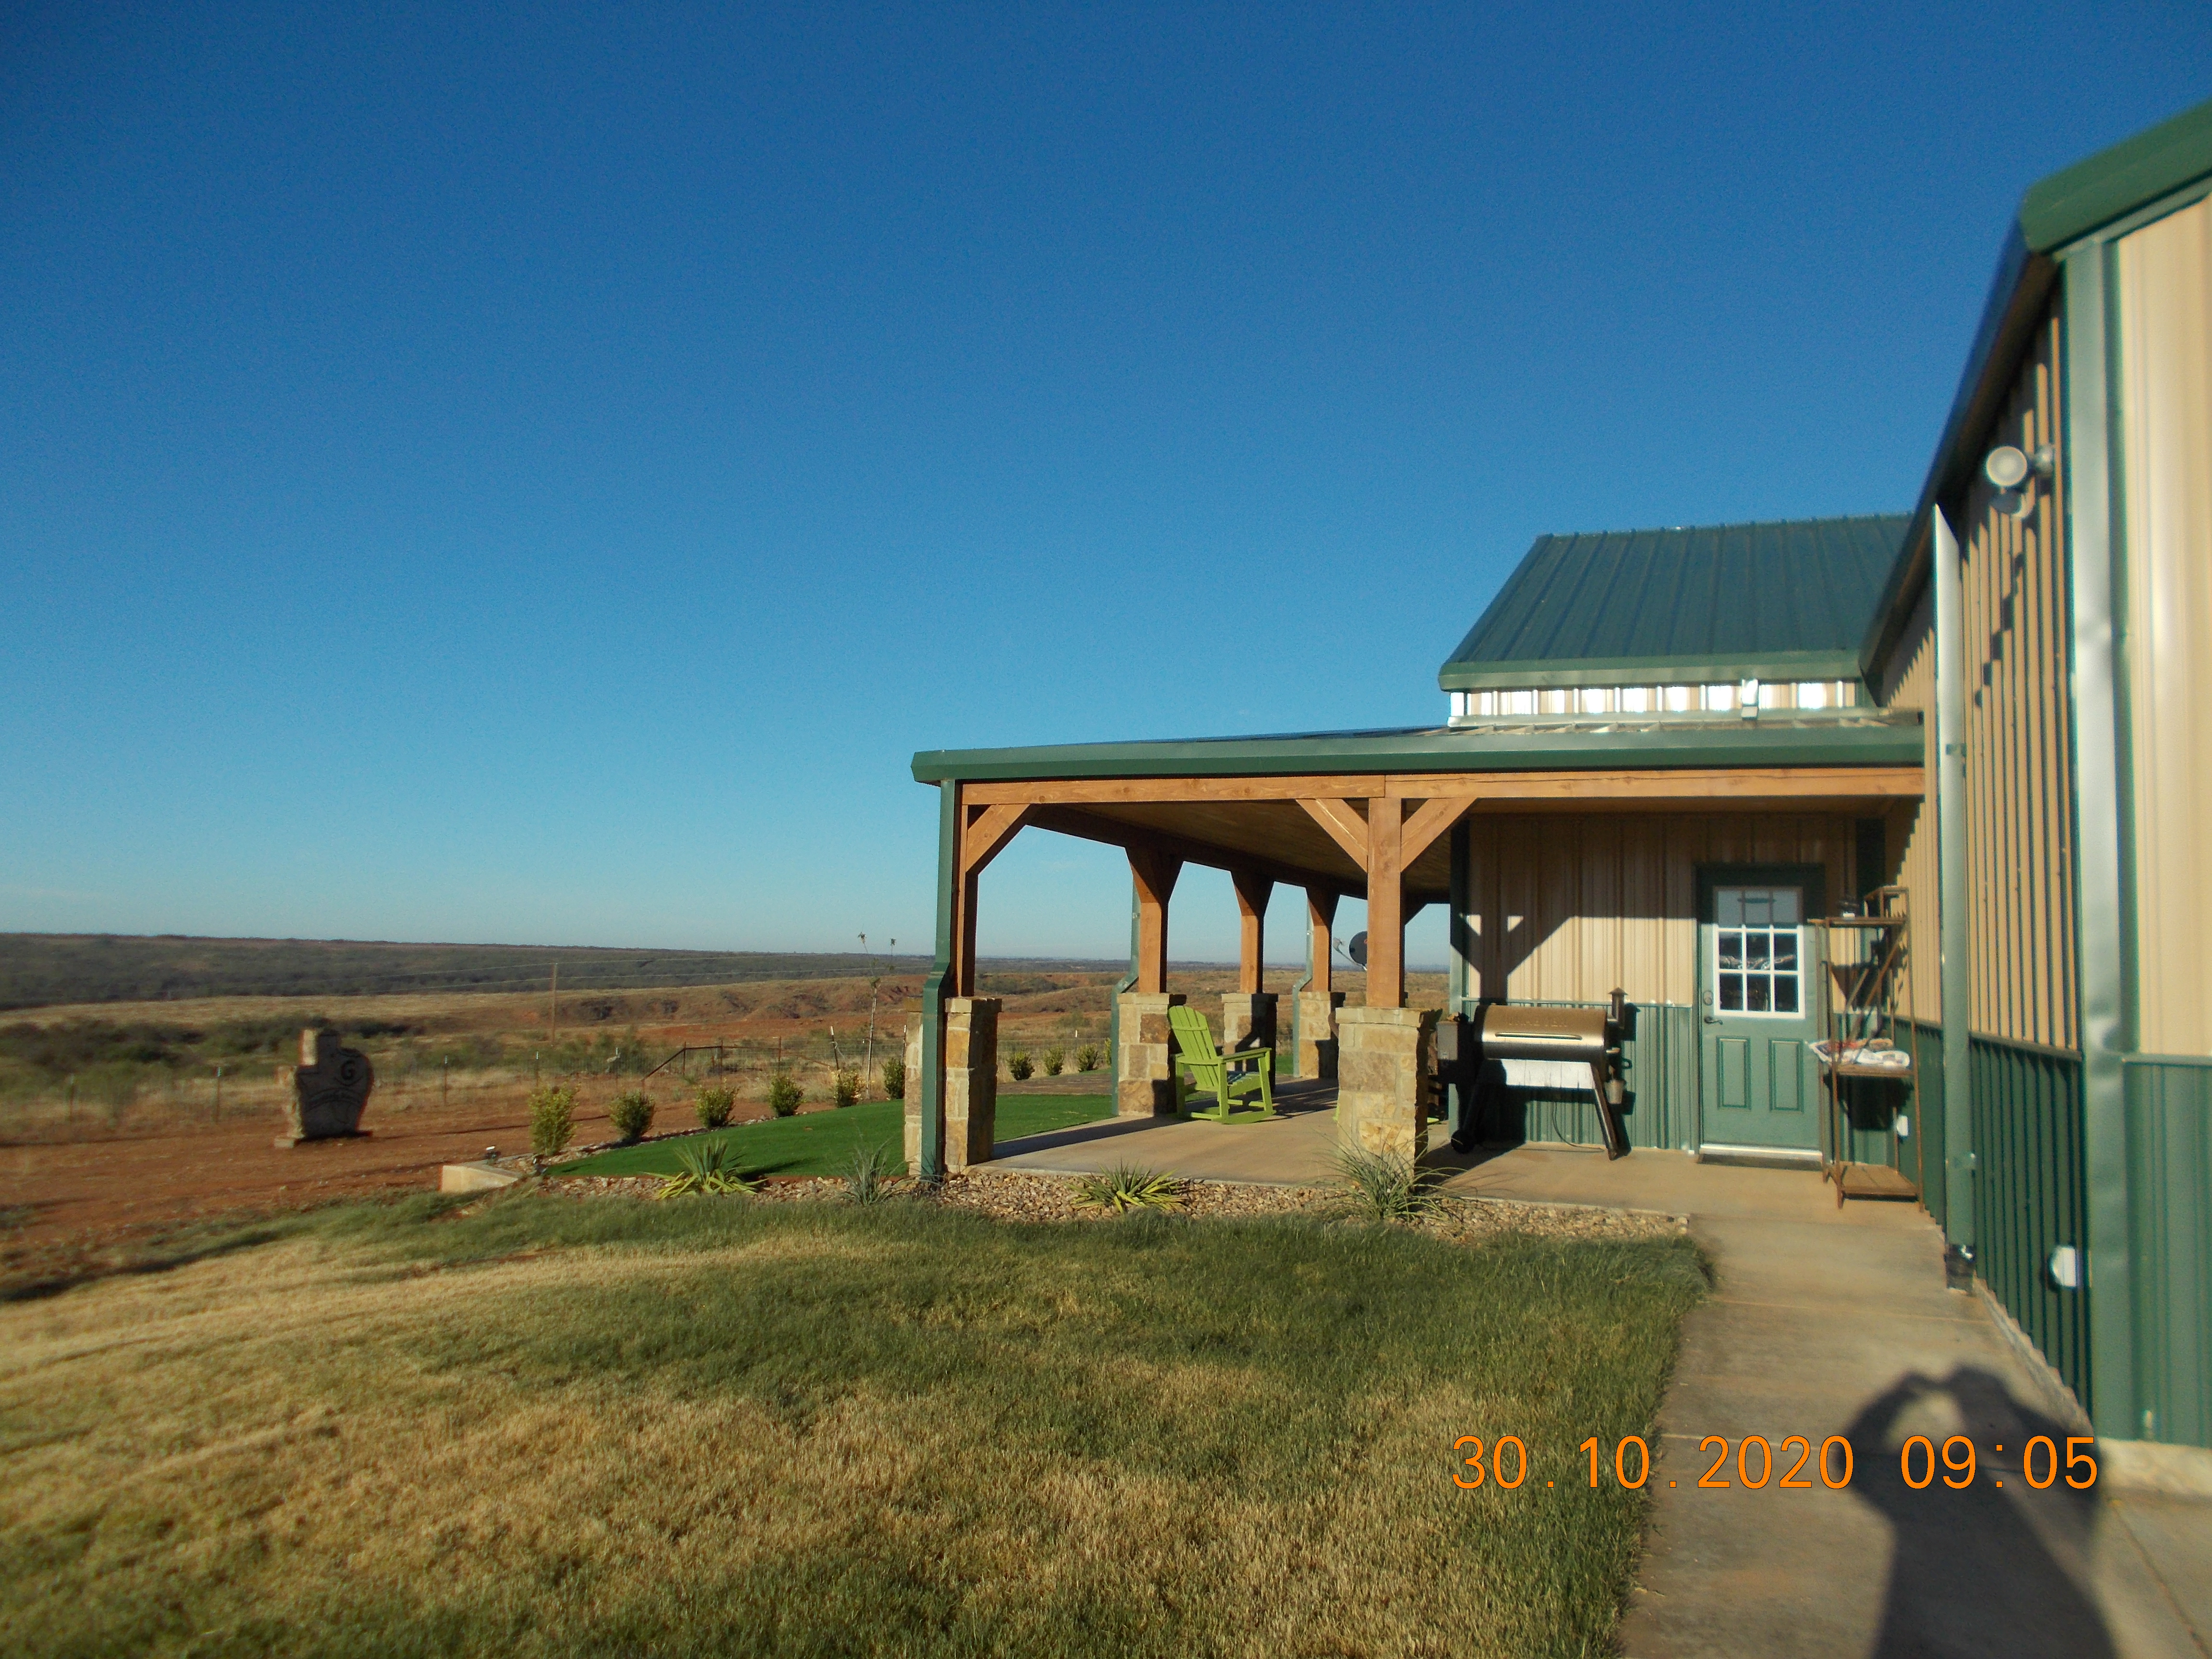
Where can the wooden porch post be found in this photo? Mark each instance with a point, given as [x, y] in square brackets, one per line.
[984, 832]
[1155, 874]
[1386, 903]
[1252, 894]
[1320, 923]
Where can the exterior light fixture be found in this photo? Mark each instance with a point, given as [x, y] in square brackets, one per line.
[2009, 468]
[2066, 1267]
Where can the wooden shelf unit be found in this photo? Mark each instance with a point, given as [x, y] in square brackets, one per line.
[1860, 998]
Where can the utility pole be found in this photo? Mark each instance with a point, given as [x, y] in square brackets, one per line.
[554, 1020]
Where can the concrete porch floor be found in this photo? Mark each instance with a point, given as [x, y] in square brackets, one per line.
[1823, 1322]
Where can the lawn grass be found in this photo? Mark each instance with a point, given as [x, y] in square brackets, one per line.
[822, 1143]
[541, 1426]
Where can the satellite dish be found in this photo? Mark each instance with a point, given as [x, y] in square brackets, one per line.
[2006, 467]
[1357, 949]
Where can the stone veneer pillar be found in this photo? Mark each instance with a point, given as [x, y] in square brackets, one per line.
[1248, 1014]
[1317, 1014]
[1385, 1073]
[971, 1083]
[1144, 1076]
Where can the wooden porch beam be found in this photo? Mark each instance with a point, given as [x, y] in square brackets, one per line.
[1430, 821]
[1343, 824]
[1386, 903]
[1115, 832]
[1321, 924]
[1735, 786]
[1155, 874]
[1253, 891]
[989, 829]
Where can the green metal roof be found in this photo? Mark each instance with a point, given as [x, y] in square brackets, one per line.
[1776, 738]
[2072, 203]
[1783, 601]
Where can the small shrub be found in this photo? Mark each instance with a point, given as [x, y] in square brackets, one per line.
[1018, 1066]
[1386, 1186]
[1129, 1187]
[1088, 1057]
[867, 1181]
[632, 1111]
[715, 1106]
[894, 1075]
[705, 1171]
[784, 1094]
[552, 1120]
[1055, 1062]
[845, 1088]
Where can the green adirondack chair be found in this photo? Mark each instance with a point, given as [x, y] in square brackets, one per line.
[1217, 1074]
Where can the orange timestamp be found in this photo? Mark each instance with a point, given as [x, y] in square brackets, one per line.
[1833, 1464]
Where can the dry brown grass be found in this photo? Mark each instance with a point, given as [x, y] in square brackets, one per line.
[743, 1428]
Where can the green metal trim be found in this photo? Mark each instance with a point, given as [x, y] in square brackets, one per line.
[2086, 275]
[1123, 986]
[2111, 184]
[1954, 921]
[1774, 739]
[1541, 673]
[931, 1160]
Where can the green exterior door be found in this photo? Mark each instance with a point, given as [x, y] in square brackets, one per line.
[1758, 1005]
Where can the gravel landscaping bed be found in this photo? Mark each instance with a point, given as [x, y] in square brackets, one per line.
[1012, 1197]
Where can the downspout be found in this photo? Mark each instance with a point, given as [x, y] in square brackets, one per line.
[1126, 984]
[930, 1161]
[1953, 920]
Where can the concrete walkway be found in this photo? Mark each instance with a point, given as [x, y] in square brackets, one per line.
[1823, 1322]
[1827, 1321]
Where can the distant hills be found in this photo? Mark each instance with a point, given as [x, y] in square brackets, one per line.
[40, 970]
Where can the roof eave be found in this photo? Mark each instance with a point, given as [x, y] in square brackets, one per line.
[1539, 673]
[1749, 743]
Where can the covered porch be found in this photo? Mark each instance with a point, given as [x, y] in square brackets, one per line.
[1569, 853]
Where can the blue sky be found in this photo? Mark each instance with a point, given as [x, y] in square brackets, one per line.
[537, 478]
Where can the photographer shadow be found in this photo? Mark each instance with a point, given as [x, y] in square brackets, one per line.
[1995, 1567]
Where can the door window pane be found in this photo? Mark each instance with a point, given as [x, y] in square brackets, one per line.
[1757, 949]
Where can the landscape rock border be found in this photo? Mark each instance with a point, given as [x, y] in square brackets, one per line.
[1023, 1197]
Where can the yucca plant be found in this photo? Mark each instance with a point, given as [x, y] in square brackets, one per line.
[868, 1176]
[704, 1169]
[1129, 1187]
[1386, 1186]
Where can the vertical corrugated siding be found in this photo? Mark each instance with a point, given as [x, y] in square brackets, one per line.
[1564, 909]
[2019, 736]
[2031, 1194]
[2169, 1104]
[2166, 394]
[1663, 1083]
[1911, 684]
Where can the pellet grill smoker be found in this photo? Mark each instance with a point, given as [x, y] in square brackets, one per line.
[1500, 1032]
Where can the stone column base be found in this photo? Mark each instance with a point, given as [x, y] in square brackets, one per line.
[971, 1084]
[1317, 1013]
[1247, 1019]
[1145, 1068]
[1385, 1075]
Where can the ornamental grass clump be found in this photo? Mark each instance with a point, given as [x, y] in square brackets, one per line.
[868, 1177]
[1055, 1062]
[632, 1112]
[784, 1094]
[552, 1120]
[1020, 1065]
[1386, 1186]
[893, 1073]
[1088, 1057]
[715, 1106]
[1129, 1187]
[705, 1171]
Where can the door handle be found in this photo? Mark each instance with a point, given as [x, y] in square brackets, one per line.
[1705, 1001]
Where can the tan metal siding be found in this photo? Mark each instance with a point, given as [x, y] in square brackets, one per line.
[2166, 398]
[1564, 909]
[1911, 684]
[2018, 735]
